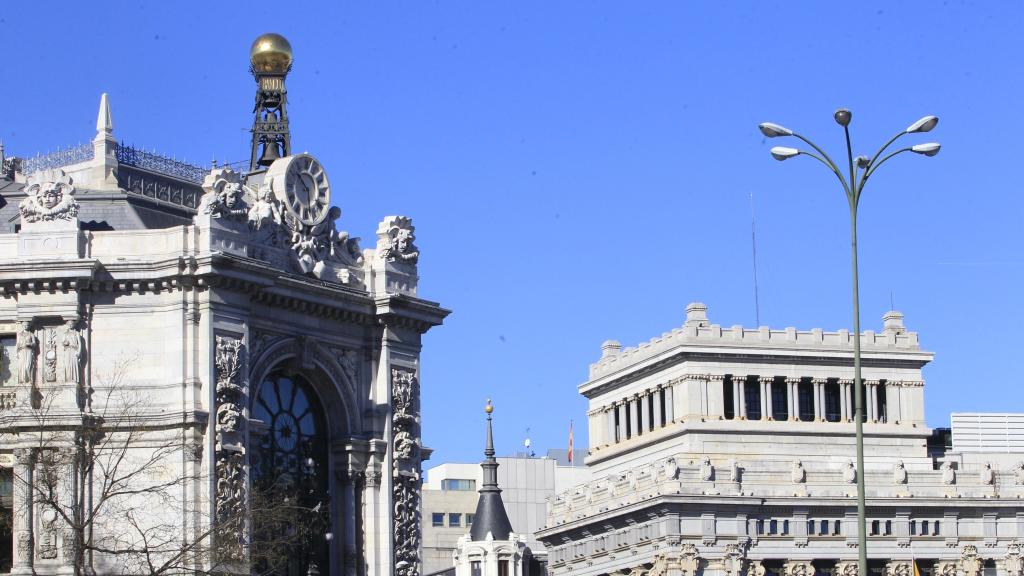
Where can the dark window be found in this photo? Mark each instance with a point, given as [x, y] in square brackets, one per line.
[888, 528]
[760, 526]
[924, 527]
[785, 527]
[824, 528]
[913, 528]
[882, 408]
[805, 399]
[618, 426]
[649, 407]
[629, 419]
[728, 399]
[752, 397]
[469, 519]
[837, 528]
[290, 472]
[810, 527]
[661, 406]
[474, 568]
[833, 409]
[437, 519]
[773, 527]
[874, 527]
[780, 406]
[503, 567]
[454, 520]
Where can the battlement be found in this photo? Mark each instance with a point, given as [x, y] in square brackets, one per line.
[698, 331]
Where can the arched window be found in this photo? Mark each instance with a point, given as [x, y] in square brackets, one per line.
[289, 477]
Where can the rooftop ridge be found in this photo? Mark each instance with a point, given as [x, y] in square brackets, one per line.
[697, 330]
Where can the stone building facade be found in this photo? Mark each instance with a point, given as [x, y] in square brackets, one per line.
[730, 451]
[188, 348]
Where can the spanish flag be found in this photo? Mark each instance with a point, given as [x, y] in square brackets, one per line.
[570, 454]
[916, 571]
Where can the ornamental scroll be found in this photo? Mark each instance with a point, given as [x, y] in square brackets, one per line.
[231, 491]
[405, 428]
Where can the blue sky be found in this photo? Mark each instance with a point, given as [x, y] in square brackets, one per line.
[579, 171]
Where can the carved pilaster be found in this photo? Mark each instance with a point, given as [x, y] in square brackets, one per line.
[899, 568]
[231, 496]
[405, 446]
[689, 560]
[970, 564]
[24, 464]
[847, 568]
[1013, 562]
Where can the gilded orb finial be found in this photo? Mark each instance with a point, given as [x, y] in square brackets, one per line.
[489, 408]
[271, 53]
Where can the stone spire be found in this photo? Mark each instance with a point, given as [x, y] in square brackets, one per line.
[491, 520]
[104, 122]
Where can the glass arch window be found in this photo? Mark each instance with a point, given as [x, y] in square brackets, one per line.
[289, 466]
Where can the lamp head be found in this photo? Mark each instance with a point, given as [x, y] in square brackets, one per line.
[774, 130]
[781, 153]
[928, 149]
[843, 117]
[923, 125]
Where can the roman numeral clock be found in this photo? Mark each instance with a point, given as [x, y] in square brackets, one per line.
[300, 184]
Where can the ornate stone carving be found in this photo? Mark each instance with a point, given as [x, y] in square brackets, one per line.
[797, 473]
[28, 347]
[899, 473]
[849, 472]
[396, 244]
[733, 559]
[48, 198]
[231, 497]
[797, 568]
[987, 476]
[689, 560]
[25, 546]
[948, 473]
[847, 568]
[228, 362]
[670, 469]
[225, 195]
[970, 563]
[735, 472]
[1018, 474]
[707, 471]
[898, 568]
[1013, 563]
[50, 356]
[73, 346]
[406, 471]
[230, 504]
[69, 547]
[47, 541]
[755, 568]
[945, 568]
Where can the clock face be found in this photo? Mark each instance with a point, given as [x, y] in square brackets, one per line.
[307, 194]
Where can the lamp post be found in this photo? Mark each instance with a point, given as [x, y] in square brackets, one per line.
[860, 169]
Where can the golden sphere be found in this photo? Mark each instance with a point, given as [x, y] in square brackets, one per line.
[271, 53]
[489, 408]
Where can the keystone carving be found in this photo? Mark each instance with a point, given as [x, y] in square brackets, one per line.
[49, 198]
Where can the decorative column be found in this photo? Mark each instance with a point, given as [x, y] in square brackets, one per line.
[766, 397]
[645, 414]
[716, 396]
[24, 463]
[670, 413]
[620, 409]
[736, 400]
[794, 397]
[659, 415]
[819, 398]
[845, 410]
[405, 434]
[871, 388]
[611, 434]
[741, 385]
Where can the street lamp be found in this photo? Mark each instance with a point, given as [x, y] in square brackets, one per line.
[860, 169]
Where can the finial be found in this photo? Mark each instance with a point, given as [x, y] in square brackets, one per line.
[104, 122]
[489, 408]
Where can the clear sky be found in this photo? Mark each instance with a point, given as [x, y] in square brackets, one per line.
[579, 171]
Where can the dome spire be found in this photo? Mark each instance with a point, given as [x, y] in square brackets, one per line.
[490, 520]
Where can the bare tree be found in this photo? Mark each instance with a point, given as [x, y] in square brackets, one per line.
[122, 487]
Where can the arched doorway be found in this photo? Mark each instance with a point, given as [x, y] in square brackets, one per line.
[290, 471]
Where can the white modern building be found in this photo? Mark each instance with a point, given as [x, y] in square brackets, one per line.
[201, 373]
[450, 499]
[730, 451]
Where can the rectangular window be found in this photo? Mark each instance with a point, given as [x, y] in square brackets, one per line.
[805, 400]
[454, 520]
[474, 568]
[882, 407]
[752, 397]
[503, 567]
[780, 406]
[469, 519]
[832, 405]
[437, 519]
[650, 411]
[458, 484]
[728, 400]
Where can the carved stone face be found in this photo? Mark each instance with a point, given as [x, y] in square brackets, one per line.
[51, 195]
[231, 194]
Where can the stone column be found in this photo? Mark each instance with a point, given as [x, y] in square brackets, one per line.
[24, 463]
[794, 397]
[816, 385]
[669, 406]
[620, 409]
[846, 410]
[871, 388]
[741, 386]
[611, 432]
[659, 415]
[766, 397]
[736, 399]
[348, 520]
[644, 401]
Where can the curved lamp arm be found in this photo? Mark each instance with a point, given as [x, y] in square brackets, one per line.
[824, 159]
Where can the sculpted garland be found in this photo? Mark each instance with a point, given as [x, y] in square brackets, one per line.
[406, 471]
